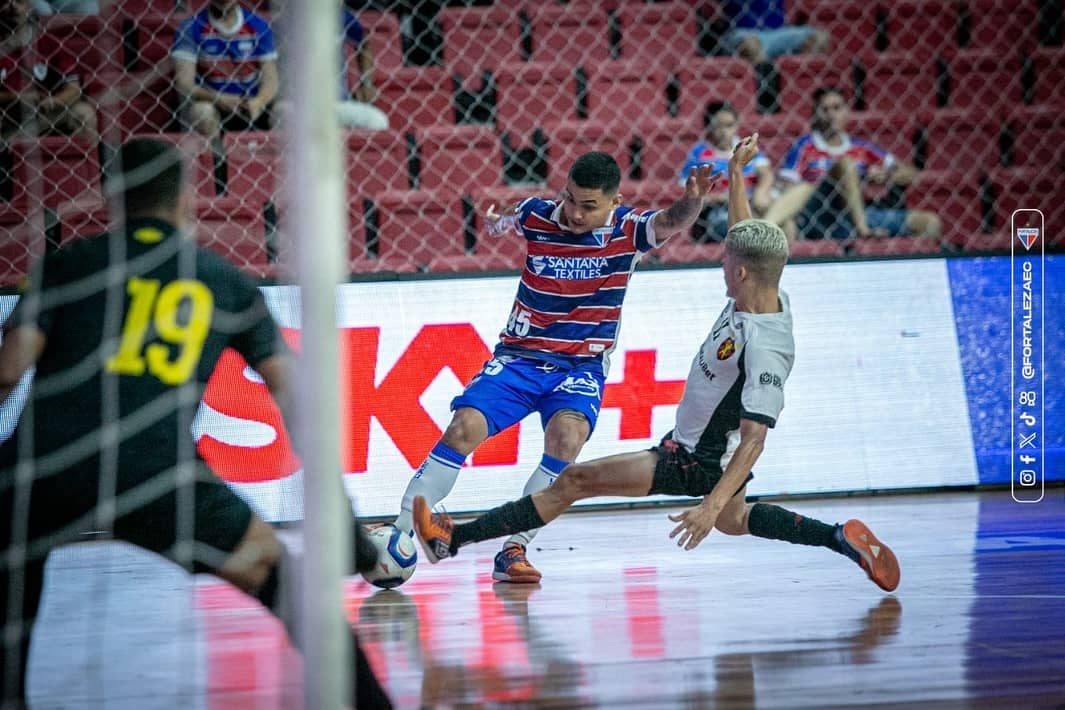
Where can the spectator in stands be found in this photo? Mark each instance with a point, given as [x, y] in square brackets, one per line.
[39, 79]
[66, 7]
[225, 68]
[758, 33]
[721, 122]
[358, 111]
[826, 170]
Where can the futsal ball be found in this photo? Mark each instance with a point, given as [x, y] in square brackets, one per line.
[397, 556]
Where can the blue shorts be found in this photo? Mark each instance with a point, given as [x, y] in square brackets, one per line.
[509, 388]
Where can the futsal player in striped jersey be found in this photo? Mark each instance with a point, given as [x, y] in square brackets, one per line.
[553, 354]
[733, 396]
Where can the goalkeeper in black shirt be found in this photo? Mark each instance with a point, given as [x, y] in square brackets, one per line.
[124, 330]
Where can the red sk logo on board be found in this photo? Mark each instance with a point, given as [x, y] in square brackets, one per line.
[725, 350]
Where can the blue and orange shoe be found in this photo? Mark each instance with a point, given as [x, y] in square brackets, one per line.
[512, 566]
[433, 530]
[861, 545]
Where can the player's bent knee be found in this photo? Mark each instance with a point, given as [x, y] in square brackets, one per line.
[467, 429]
[579, 481]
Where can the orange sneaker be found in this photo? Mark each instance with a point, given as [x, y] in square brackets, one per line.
[876, 558]
[512, 566]
[433, 530]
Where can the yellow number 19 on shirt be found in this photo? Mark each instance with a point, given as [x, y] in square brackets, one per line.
[163, 307]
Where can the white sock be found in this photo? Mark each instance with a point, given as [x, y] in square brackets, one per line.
[544, 475]
[433, 480]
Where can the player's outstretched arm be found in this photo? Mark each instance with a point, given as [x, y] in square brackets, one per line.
[739, 208]
[497, 224]
[681, 215]
[697, 522]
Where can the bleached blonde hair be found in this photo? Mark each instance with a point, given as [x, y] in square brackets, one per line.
[762, 246]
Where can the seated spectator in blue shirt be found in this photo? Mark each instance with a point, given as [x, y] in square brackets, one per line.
[758, 32]
[721, 122]
[358, 111]
[225, 68]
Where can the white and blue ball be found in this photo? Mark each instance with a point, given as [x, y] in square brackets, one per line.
[397, 556]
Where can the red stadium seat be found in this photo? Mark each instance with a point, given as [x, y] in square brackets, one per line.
[532, 94]
[357, 247]
[64, 171]
[1049, 75]
[96, 46]
[850, 24]
[83, 221]
[620, 90]
[382, 30]
[680, 249]
[416, 226]
[922, 28]
[715, 79]
[234, 229]
[895, 246]
[1028, 188]
[567, 141]
[1003, 26]
[1039, 137]
[894, 132]
[21, 242]
[660, 34]
[376, 162]
[801, 75]
[984, 80]
[815, 249]
[955, 197]
[666, 144]
[478, 38]
[962, 139]
[153, 37]
[574, 36]
[253, 160]
[776, 133]
[649, 194]
[149, 110]
[199, 160]
[896, 81]
[471, 263]
[460, 158]
[415, 97]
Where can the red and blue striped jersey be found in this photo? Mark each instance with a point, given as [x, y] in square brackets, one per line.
[228, 60]
[568, 307]
[811, 157]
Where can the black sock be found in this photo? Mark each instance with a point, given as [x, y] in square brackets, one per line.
[776, 523]
[507, 519]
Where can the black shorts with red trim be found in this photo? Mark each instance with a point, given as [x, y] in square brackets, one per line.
[679, 473]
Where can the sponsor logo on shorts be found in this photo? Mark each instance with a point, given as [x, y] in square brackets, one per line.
[726, 349]
[768, 378]
[587, 386]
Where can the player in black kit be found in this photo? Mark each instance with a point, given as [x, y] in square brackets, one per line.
[124, 330]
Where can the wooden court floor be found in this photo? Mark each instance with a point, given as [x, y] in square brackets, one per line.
[622, 619]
